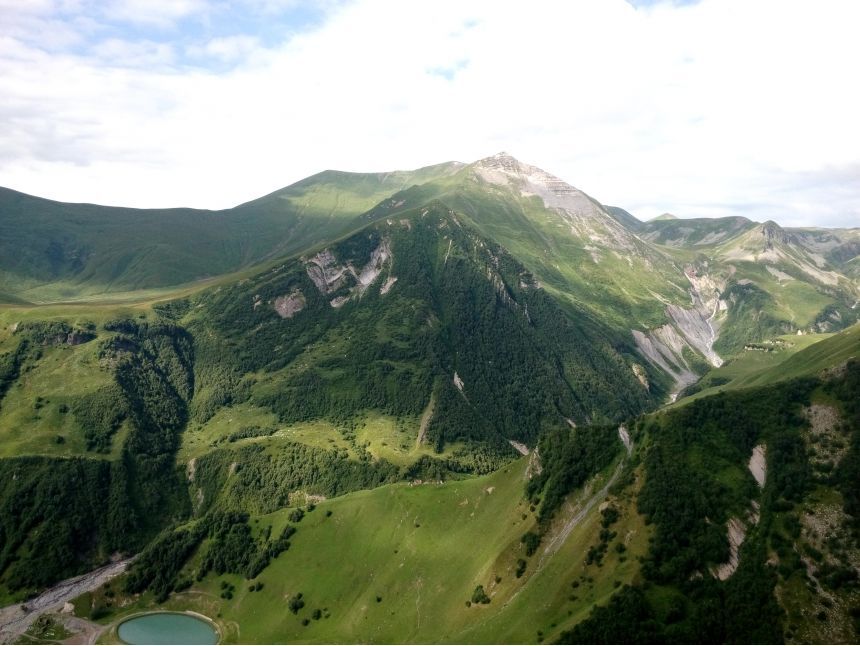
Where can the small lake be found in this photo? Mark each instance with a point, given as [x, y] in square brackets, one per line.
[167, 628]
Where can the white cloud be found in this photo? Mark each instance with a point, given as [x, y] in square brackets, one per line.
[721, 107]
[228, 48]
[157, 13]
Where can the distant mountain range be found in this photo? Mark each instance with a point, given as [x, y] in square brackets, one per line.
[683, 291]
[466, 403]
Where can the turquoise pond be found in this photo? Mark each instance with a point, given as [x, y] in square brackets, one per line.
[167, 628]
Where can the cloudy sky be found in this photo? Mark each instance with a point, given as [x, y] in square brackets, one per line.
[711, 108]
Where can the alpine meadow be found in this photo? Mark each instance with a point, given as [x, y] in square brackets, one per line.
[463, 404]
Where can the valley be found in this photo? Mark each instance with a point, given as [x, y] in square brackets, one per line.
[463, 404]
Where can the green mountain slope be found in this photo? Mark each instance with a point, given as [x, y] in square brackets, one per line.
[54, 251]
[418, 328]
[408, 308]
[326, 446]
[781, 359]
[692, 233]
[692, 538]
[688, 293]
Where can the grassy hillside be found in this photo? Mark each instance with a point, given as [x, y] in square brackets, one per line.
[413, 349]
[450, 315]
[393, 564]
[780, 359]
[589, 259]
[748, 549]
[640, 552]
[324, 445]
[693, 233]
[58, 251]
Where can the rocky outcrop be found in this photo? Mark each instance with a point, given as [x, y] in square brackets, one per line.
[370, 272]
[291, 304]
[773, 235]
[587, 219]
[641, 375]
[387, 285]
[521, 448]
[325, 273]
[458, 382]
[736, 532]
[758, 465]
[664, 347]
[695, 328]
[330, 276]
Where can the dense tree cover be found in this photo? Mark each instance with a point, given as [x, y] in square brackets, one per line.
[153, 367]
[683, 494]
[50, 512]
[461, 305]
[475, 458]
[159, 565]
[59, 515]
[10, 366]
[696, 478]
[100, 414]
[569, 457]
[230, 547]
[233, 548]
[627, 619]
[251, 431]
[55, 332]
[847, 475]
[252, 479]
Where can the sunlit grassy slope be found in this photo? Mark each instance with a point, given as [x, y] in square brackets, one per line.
[791, 356]
[56, 251]
[398, 564]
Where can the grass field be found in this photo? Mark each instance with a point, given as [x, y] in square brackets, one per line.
[799, 356]
[36, 410]
[399, 563]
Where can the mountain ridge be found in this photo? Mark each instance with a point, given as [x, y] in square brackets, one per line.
[434, 412]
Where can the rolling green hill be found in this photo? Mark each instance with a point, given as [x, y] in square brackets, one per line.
[413, 348]
[780, 359]
[425, 407]
[53, 251]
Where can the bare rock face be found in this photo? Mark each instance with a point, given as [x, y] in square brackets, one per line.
[736, 532]
[291, 304]
[641, 375]
[696, 328]
[329, 275]
[458, 382]
[370, 272]
[387, 285]
[325, 273]
[586, 218]
[758, 464]
[773, 234]
[664, 347]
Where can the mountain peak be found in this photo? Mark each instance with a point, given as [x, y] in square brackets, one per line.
[503, 169]
[501, 161]
[774, 234]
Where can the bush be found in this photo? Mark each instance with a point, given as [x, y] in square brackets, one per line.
[296, 603]
[479, 596]
[531, 542]
[521, 567]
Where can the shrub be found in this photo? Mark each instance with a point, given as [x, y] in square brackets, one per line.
[479, 596]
